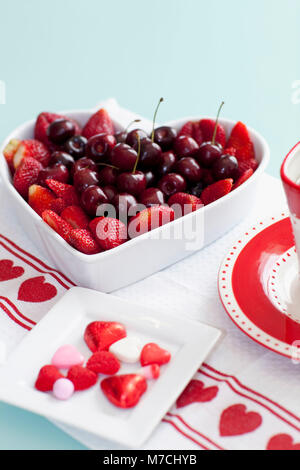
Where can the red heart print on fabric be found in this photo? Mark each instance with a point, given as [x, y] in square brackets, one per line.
[235, 421]
[8, 271]
[36, 290]
[195, 392]
[282, 442]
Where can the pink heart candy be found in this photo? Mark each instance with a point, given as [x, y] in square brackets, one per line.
[67, 356]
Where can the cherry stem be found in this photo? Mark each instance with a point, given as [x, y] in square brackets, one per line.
[130, 124]
[138, 155]
[216, 124]
[154, 118]
[107, 164]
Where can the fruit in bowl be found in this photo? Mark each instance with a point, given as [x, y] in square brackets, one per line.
[78, 178]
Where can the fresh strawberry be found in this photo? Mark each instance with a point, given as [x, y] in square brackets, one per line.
[9, 152]
[34, 149]
[230, 151]
[82, 378]
[187, 202]
[124, 391]
[99, 335]
[42, 123]
[48, 375]
[76, 217]
[244, 177]
[216, 191]
[108, 232]
[26, 175]
[39, 198]
[58, 205]
[65, 191]
[99, 123]
[240, 140]
[154, 354]
[207, 127]
[103, 362]
[192, 129]
[83, 241]
[247, 164]
[58, 224]
[149, 219]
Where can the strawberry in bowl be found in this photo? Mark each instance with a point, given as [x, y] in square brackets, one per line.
[94, 187]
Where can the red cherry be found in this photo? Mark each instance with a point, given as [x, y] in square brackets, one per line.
[208, 153]
[167, 162]
[185, 146]
[152, 197]
[108, 175]
[84, 163]
[189, 169]
[57, 172]
[92, 198]
[62, 158]
[132, 137]
[123, 157]
[123, 202]
[99, 146]
[85, 178]
[172, 183]
[132, 183]
[110, 191]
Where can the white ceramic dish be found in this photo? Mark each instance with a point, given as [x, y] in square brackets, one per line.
[146, 254]
[189, 343]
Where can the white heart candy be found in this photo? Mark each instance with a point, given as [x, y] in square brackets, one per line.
[127, 349]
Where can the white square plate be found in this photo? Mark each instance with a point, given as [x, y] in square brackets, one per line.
[189, 343]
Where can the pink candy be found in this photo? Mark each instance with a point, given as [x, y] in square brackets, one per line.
[67, 356]
[63, 389]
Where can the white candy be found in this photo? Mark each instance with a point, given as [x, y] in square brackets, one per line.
[127, 349]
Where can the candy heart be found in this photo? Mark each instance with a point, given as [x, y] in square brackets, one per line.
[127, 349]
[67, 356]
[150, 372]
[8, 271]
[81, 377]
[282, 442]
[36, 290]
[236, 421]
[48, 375]
[103, 362]
[63, 389]
[124, 391]
[154, 354]
[99, 335]
[196, 392]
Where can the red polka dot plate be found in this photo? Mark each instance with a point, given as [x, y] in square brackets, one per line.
[259, 286]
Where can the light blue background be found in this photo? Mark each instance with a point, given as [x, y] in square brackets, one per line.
[62, 54]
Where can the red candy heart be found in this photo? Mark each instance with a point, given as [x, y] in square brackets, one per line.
[196, 392]
[103, 362]
[82, 378]
[154, 354]
[8, 271]
[36, 290]
[124, 391]
[99, 335]
[46, 378]
[282, 442]
[236, 421]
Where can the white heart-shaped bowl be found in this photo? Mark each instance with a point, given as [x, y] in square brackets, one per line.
[148, 253]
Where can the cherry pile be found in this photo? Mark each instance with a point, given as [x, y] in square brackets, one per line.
[96, 167]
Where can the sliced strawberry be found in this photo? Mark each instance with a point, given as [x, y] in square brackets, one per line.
[103, 362]
[240, 140]
[34, 149]
[83, 241]
[109, 232]
[247, 164]
[207, 127]
[26, 175]
[57, 223]
[76, 217]
[65, 191]
[99, 123]
[187, 203]
[244, 177]
[48, 375]
[192, 129]
[9, 153]
[82, 378]
[39, 198]
[124, 391]
[58, 205]
[154, 354]
[42, 123]
[99, 335]
[149, 219]
[216, 191]
[230, 151]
